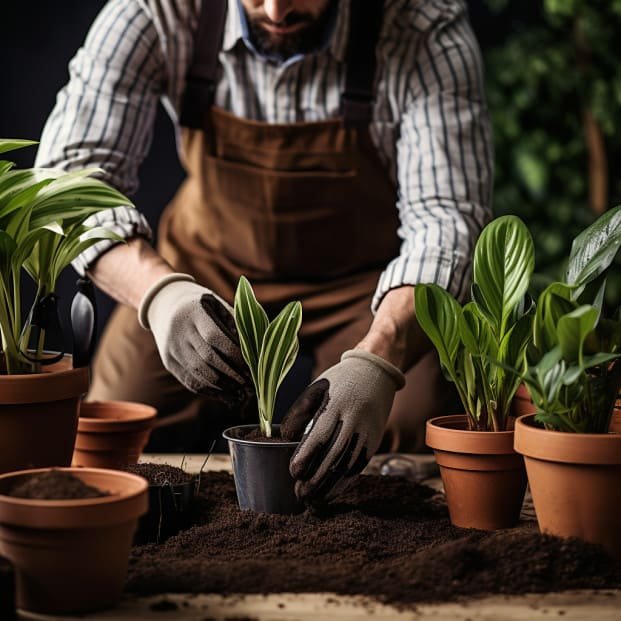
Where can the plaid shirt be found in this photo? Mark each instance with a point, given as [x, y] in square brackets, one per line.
[430, 122]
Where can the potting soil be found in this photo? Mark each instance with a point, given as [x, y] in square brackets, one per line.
[55, 485]
[386, 538]
[160, 474]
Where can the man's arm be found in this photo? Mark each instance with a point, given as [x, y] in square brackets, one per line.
[444, 177]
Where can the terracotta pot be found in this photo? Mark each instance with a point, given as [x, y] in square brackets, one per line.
[112, 433]
[522, 404]
[261, 472]
[615, 421]
[39, 416]
[71, 556]
[484, 478]
[574, 480]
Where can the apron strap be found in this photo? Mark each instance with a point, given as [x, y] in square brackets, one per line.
[202, 77]
[365, 21]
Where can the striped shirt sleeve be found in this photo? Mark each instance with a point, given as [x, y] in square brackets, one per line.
[103, 117]
[444, 155]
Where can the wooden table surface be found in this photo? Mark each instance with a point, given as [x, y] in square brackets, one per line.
[571, 605]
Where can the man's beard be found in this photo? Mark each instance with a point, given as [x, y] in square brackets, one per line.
[307, 39]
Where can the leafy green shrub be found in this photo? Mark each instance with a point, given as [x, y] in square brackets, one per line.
[42, 214]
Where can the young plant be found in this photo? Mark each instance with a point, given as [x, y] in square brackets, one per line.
[42, 214]
[479, 342]
[574, 365]
[269, 349]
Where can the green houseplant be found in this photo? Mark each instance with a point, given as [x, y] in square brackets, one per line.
[42, 229]
[574, 377]
[261, 460]
[477, 345]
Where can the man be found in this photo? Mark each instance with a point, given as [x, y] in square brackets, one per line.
[338, 153]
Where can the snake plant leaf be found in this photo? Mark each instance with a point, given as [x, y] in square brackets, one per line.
[251, 322]
[437, 313]
[572, 331]
[12, 144]
[504, 259]
[594, 249]
[278, 353]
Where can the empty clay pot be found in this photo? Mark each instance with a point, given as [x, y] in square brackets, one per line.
[484, 478]
[112, 433]
[70, 556]
[39, 416]
[261, 470]
[574, 480]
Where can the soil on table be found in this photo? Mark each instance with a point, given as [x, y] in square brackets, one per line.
[386, 538]
[55, 485]
[160, 474]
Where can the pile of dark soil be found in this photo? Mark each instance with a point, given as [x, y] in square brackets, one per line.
[160, 474]
[387, 538]
[55, 485]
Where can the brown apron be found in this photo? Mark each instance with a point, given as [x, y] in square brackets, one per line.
[307, 212]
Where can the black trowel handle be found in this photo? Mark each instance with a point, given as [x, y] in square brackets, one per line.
[83, 323]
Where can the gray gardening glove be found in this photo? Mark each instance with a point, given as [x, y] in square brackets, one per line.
[342, 416]
[195, 334]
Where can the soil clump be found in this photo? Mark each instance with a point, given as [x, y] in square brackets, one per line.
[256, 435]
[160, 474]
[55, 485]
[386, 538]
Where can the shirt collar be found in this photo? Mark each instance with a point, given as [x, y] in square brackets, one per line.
[236, 29]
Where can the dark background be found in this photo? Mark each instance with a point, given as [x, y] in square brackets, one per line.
[37, 40]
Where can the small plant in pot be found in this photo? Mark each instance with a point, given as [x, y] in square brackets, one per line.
[574, 376]
[260, 459]
[484, 479]
[42, 229]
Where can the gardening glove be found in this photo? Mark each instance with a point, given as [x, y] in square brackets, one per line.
[196, 337]
[342, 416]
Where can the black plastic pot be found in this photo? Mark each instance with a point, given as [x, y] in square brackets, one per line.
[261, 471]
[169, 508]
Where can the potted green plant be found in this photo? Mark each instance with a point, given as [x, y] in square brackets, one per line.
[42, 229]
[484, 479]
[574, 376]
[68, 533]
[260, 458]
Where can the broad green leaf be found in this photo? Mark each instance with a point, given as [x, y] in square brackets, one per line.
[594, 249]
[474, 332]
[12, 144]
[572, 331]
[278, 353]
[251, 321]
[553, 303]
[437, 313]
[504, 259]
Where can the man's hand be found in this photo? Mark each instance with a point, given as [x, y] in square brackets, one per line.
[195, 334]
[342, 416]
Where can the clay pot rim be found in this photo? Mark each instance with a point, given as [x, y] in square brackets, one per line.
[50, 504]
[442, 435]
[227, 435]
[130, 414]
[566, 447]
[57, 382]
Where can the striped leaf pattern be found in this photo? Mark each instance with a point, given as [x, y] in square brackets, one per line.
[269, 349]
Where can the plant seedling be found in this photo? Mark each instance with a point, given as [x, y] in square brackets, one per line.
[269, 348]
